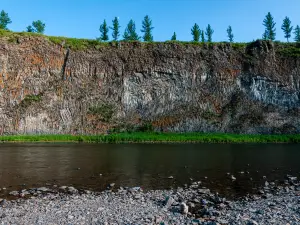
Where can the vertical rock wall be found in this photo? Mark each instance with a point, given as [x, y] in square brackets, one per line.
[48, 88]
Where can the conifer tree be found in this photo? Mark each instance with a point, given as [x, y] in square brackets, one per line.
[270, 30]
[230, 34]
[297, 34]
[104, 31]
[174, 37]
[202, 36]
[115, 29]
[287, 28]
[30, 29]
[147, 29]
[37, 27]
[196, 32]
[4, 20]
[209, 32]
[130, 33]
[265, 35]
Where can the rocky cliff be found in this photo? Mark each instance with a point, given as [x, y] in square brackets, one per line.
[48, 87]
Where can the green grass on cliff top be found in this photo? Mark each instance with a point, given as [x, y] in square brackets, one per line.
[287, 49]
[153, 137]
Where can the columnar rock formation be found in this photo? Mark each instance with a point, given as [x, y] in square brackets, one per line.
[179, 87]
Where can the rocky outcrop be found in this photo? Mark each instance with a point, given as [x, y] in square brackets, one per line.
[180, 87]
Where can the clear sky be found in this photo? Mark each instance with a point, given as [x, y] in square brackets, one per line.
[82, 18]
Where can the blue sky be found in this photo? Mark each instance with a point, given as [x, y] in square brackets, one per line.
[81, 19]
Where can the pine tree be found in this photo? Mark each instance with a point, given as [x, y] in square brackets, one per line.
[147, 29]
[270, 30]
[196, 32]
[287, 28]
[174, 37]
[202, 36]
[115, 29]
[265, 35]
[230, 34]
[30, 29]
[297, 34]
[37, 27]
[4, 20]
[104, 31]
[130, 33]
[209, 32]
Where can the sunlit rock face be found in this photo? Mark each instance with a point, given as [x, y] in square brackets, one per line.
[47, 88]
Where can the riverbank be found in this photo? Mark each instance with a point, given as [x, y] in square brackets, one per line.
[273, 204]
[153, 137]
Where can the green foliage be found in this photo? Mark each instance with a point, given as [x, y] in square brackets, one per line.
[29, 99]
[239, 46]
[104, 32]
[202, 37]
[270, 30]
[4, 20]
[265, 36]
[30, 29]
[130, 32]
[36, 27]
[196, 32]
[76, 44]
[287, 28]
[39, 26]
[145, 127]
[230, 34]
[105, 111]
[174, 37]
[147, 29]
[209, 32]
[291, 51]
[115, 29]
[297, 34]
[155, 137]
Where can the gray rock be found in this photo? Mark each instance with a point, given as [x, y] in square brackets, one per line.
[43, 189]
[3, 202]
[14, 193]
[184, 209]
[72, 190]
[203, 191]
[292, 178]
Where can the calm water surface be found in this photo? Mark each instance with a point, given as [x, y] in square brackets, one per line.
[146, 165]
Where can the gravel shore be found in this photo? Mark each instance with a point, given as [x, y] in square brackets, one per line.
[273, 204]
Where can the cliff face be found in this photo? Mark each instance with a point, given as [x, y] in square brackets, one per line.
[48, 88]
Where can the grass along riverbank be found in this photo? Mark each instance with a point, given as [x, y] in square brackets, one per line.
[144, 137]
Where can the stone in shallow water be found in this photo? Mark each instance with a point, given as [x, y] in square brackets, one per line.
[14, 193]
[43, 189]
[72, 190]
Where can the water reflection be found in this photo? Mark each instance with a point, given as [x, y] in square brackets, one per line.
[146, 165]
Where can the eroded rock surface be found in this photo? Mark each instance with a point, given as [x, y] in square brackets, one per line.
[49, 88]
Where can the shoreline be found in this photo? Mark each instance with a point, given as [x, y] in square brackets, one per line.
[273, 204]
[153, 137]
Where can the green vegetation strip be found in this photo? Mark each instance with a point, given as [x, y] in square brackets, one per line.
[155, 138]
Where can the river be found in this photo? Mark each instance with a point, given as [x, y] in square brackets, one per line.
[94, 166]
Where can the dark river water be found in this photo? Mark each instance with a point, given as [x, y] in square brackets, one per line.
[146, 165]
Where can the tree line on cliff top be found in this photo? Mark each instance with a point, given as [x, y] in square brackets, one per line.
[198, 35]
